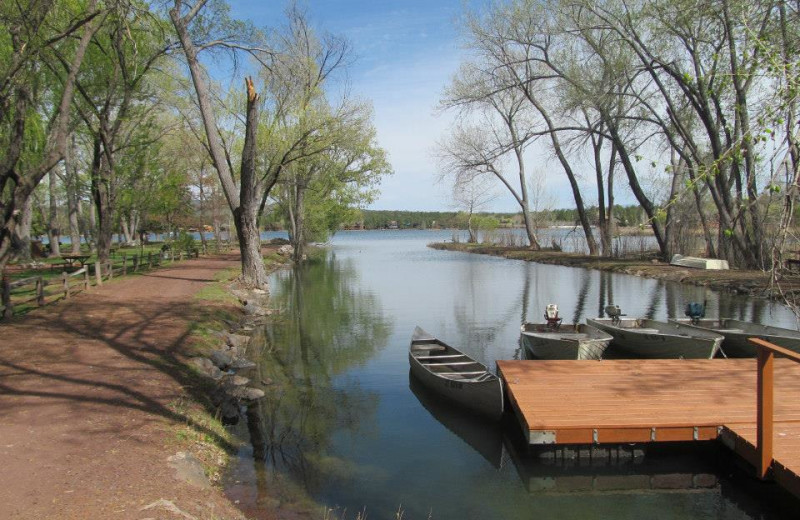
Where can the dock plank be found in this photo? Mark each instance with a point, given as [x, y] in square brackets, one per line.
[621, 401]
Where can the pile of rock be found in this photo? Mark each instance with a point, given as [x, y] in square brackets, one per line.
[223, 365]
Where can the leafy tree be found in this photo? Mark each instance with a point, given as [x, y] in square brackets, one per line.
[39, 63]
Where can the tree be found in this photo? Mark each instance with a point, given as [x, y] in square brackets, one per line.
[471, 194]
[317, 192]
[503, 128]
[40, 33]
[296, 68]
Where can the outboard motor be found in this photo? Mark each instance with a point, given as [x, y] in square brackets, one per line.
[695, 311]
[614, 312]
[551, 316]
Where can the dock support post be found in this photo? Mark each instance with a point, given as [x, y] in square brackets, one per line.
[766, 362]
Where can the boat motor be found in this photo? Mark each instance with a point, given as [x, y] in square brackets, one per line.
[614, 312]
[695, 311]
[551, 316]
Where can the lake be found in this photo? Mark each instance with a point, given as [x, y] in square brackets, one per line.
[344, 426]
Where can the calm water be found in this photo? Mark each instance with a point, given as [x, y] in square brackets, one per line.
[344, 426]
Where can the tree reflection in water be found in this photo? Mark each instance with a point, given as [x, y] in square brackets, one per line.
[328, 325]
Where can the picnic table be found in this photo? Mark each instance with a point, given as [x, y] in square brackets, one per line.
[70, 259]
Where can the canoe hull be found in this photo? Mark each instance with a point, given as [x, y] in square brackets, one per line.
[481, 394]
[737, 332]
[657, 340]
[567, 342]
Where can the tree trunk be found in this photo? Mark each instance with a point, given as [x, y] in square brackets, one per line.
[246, 215]
[638, 192]
[101, 192]
[21, 242]
[73, 199]
[530, 229]
[91, 230]
[254, 272]
[576, 191]
[53, 234]
[298, 226]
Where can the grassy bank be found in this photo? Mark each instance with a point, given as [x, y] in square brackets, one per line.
[218, 311]
[750, 282]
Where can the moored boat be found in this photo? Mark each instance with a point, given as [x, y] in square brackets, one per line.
[455, 376]
[578, 341]
[736, 333]
[645, 338]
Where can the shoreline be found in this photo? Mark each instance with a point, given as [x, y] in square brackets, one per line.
[737, 281]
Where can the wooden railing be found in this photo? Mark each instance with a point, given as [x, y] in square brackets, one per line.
[38, 291]
[766, 353]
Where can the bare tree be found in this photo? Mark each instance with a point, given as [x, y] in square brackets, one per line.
[495, 127]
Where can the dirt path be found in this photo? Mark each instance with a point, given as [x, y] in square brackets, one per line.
[88, 393]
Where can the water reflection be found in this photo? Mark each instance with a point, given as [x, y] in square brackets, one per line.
[344, 426]
[485, 437]
[329, 325]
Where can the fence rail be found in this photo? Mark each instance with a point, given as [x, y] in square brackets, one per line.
[37, 291]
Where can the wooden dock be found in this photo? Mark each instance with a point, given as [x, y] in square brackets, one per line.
[642, 401]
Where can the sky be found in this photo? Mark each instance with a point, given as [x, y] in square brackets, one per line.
[406, 53]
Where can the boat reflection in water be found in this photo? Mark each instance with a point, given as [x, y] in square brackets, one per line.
[482, 435]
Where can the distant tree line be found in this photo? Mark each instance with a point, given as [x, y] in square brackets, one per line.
[387, 219]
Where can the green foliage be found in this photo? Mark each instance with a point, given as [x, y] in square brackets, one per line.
[184, 242]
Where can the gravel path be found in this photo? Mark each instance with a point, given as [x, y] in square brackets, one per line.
[87, 394]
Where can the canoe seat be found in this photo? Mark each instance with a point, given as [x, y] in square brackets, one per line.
[450, 375]
[645, 331]
[732, 331]
[431, 348]
[441, 357]
[485, 377]
[451, 363]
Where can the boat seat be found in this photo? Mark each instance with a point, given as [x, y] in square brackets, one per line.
[484, 377]
[432, 348]
[644, 331]
[732, 331]
[461, 373]
[451, 363]
[441, 357]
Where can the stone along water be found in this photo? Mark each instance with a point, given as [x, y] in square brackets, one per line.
[344, 426]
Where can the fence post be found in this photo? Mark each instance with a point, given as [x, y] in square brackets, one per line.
[6, 297]
[135, 263]
[764, 409]
[110, 270]
[86, 277]
[98, 272]
[65, 280]
[124, 264]
[150, 260]
[40, 291]
[180, 256]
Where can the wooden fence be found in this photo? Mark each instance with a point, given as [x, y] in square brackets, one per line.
[37, 291]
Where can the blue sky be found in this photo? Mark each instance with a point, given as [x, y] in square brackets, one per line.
[405, 54]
